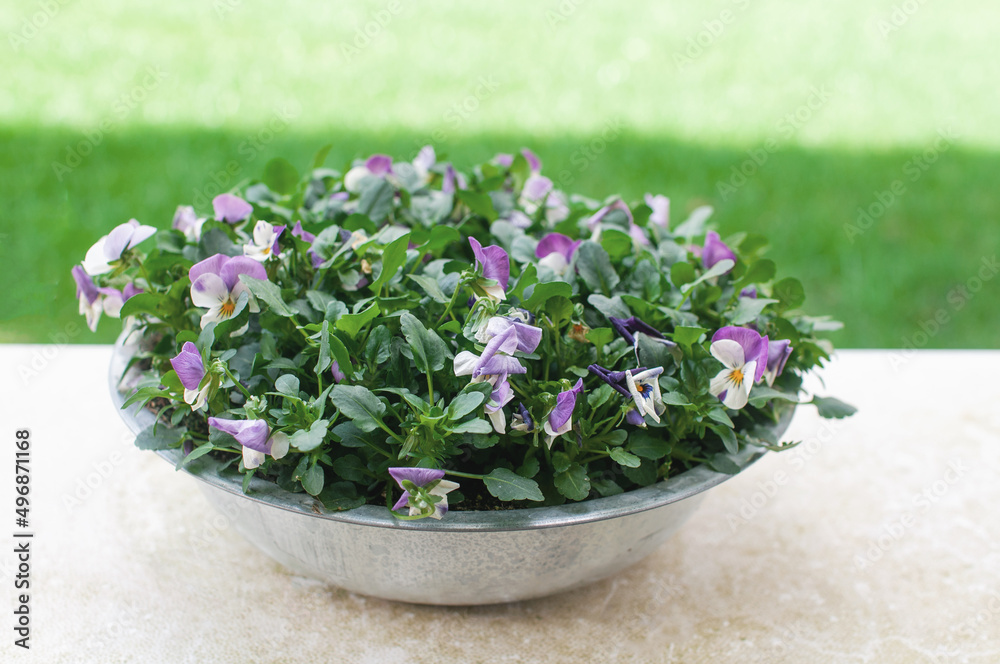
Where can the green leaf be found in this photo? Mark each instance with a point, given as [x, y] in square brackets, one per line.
[351, 324]
[559, 309]
[196, 453]
[478, 203]
[528, 278]
[598, 397]
[790, 292]
[719, 415]
[465, 403]
[717, 270]
[393, 258]
[748, 309]
[686, 336]
[376, 198]
[280, 176]
[653, 353]
[306, 440]
[379, 346]
[542, 292]
[430, 287]
[341, 355]
[321, 154]
[728, 437]
[721, 463]
[325, 358]
[429, 351]
[761, 394]
[617, 243]
[611, 307]
[313, 480]
[507, 485]
[594, 266]
[352, 468]
[760, 272]
[339, 496]
[159, 436]
[573, 482]
[624, 458]
[358, 404]
[833, 408]
[681, 273]
[648, 445]
[269, 293]
[287, 384]
[675, 399]
[600, 336]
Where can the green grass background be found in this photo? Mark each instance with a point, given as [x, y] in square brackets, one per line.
[683, 93]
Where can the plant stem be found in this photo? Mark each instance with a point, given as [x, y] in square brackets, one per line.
[472, 476]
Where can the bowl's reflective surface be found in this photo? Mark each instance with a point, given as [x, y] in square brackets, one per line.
[466, 558]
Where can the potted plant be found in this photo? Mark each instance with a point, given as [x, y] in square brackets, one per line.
[346, 358]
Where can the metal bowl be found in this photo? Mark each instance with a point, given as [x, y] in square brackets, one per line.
[468, 558]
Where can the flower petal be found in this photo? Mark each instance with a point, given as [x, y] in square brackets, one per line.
[379, 165]
[84, 284]
[238, 265]
[715, 250]
[729, 352]
[248, 433]
[565, 403]
[231, 208]
[211, 265]
[419, 476]
[557, 243]
[189, 366]
[660, 206]
[208, 291]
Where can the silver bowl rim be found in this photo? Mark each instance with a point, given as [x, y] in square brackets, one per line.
[677, 488]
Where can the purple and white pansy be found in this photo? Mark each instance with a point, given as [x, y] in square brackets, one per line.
[538, 192]
[104, 255]
[644, 386]
[555, 251]
[560, 420]
[306, 236]
[256, 437]
[778, 353]
[425, 491]
[230, 208]
[495, 364]
[190, 370]
[744, 353]
[595, 221]
[660, 206]
[265, 242]
[494, 264]
[715, 250]
[216, 285]
[187, 222]
[377, 165]
[94, 301]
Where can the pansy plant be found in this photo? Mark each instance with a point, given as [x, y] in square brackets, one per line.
[421, 324]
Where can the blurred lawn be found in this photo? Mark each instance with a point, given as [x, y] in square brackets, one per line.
[162, 98]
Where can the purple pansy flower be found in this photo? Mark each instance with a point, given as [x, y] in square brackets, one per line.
[452, 180]
[216, 285]
[749, 291]
[94, 301]
[538, 191]
[660, 206]
[377, 165]
[506, 160]
[555, 251]
[421, 478]
[778, 353]
[528, 336]
[495, 264]
[231, 208]
[187, 222]
[744, 353]
[497, 358]
[265, 242]
[594, 222]
[628, 327]
[521, 420]
[715, 250]
[109, 249]
[560, 420]
[255, 437]
[338, 375]
[190, 371]
[306, 236]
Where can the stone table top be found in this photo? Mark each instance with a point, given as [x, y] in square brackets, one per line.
[876, 540]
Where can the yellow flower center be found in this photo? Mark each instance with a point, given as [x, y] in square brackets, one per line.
[736, 376]
[227, 308]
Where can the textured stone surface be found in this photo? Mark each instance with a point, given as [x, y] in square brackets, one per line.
[877, 540]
